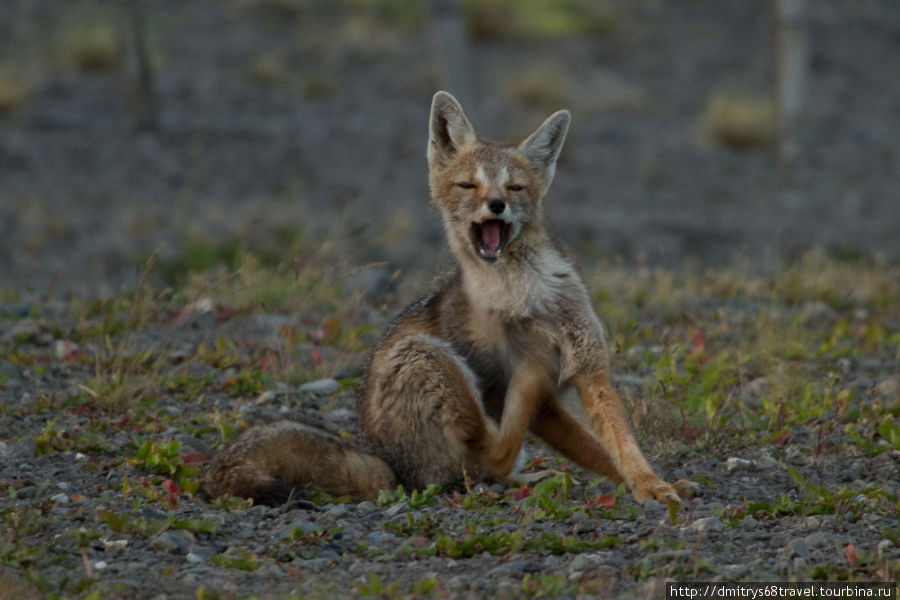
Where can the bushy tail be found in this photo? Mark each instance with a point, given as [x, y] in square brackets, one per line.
[288, 460]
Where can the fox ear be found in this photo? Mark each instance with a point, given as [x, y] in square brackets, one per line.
[449, 129]
[542, 147]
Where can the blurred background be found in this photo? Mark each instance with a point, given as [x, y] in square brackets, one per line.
[704, 131]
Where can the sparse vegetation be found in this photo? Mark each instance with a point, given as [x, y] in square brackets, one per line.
[740, 120]
[87, 42]
[532, 19]
[716, 363]
[14, 90]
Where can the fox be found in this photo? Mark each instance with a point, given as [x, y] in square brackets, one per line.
[462, 375]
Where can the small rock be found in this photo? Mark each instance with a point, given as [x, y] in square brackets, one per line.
[735, 572]
[817, 311]
[381, 538]
[305, 526]
[26, 330]
[320, 386]
[737, 464]
[170, 541]
[669, 556]
[100, 565]
[515, 568]
[64, 349]
[397, 509]
[365, 507]
[60, 498]
[707, 524]
[337, 511]
[190, 443]
[766, 462]
[23, 448]
[114, 545]
[266, 397]
[193, 558]
[797, 547]
[583, 562]
[820, 538]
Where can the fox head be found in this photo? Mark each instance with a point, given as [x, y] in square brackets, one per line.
[489, 195]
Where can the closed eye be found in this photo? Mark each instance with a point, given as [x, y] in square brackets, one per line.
[515, 187]
[466, 185]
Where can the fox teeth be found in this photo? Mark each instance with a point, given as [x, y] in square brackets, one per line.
[490, 238]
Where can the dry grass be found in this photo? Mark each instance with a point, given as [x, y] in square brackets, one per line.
[14, 90]
[88, 43]
[739, 120]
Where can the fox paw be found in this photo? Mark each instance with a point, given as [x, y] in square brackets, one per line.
[686, 488]
[654, 488]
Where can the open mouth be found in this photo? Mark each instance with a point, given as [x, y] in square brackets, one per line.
[490, 238]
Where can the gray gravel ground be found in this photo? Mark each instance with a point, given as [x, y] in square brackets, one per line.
[330, 147]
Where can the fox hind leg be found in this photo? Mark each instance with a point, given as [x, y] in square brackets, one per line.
[422, 412]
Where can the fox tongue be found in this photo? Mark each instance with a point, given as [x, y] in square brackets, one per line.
[490, 238]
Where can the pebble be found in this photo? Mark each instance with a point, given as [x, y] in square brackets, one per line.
[797, 547]
[114, 545]
[381, 538]
[515, 568]
[707, 524]
[819, 538]
[23, 448]
[26, 330]
[585, 561]
[172, 542]
[737, 464]
[320, 386]
[305, 526]
[337, 511]
[60, 498]
[397, 509]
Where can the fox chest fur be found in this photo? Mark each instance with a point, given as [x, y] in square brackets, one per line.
[504, 320]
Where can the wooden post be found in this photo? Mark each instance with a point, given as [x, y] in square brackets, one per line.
[450, 50]
[791, 58]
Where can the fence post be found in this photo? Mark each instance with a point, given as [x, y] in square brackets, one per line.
[791, 62]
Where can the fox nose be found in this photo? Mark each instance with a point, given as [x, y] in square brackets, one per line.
[497, 206]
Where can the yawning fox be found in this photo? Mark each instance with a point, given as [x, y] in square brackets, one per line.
[461, 375]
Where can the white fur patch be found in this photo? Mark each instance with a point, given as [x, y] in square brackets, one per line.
[498, 179]
[481, 177]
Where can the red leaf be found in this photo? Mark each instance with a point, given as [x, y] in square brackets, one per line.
[172, 490]
[519, 494]
[850, 551]
[316, 357]
[268, 362]
[225, 313]
[123, 421]
[534, 464]
[782, 439]
[700, 340]
[195, 458]
[604, 500]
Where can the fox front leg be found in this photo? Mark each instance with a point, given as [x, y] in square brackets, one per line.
[529, 388]
[608, 418]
